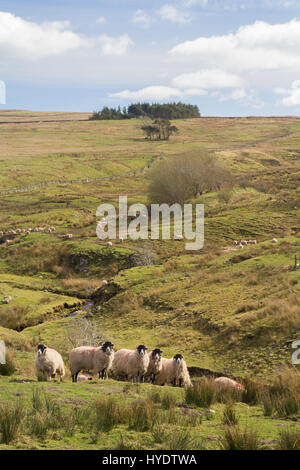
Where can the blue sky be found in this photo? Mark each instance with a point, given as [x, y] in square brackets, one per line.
[231, 58]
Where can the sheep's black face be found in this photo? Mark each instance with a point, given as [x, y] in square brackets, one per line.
[178, 358]
[156, 353]
[107, 347]
[141, 349]
[41, 349]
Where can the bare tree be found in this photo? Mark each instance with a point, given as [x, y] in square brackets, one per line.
[83, 332]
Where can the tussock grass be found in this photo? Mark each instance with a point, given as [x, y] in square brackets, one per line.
[229, 417]
[202, 394]
[107, 414]
[289, 440]
[236, 438]
[143, 415]
[11, 416]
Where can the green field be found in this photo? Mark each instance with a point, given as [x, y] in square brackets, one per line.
[234, 312]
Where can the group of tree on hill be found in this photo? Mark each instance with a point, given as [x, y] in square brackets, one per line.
[152, 111]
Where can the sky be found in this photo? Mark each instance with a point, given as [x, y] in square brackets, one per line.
[230, 57]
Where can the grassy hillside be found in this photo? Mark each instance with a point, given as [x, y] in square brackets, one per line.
[231, 311]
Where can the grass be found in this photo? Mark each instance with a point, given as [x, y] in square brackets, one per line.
[238, 311]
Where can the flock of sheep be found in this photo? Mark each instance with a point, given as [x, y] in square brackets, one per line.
[18, 231]
[242, 243]
[135, 365]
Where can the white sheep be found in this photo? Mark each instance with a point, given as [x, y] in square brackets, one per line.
[241, 246]
[274, 240]
[109, 244]
[224, 382]
[104, 282]
[174, 371]
[155, 364]
[132, 365]
[49, 363]
[98, 359]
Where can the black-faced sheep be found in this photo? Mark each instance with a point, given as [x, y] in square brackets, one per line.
[155, 364]
[132, 365]
[48, 363]
[174, 372]
[98, 359]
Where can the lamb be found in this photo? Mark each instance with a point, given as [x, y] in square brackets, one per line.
[131, 364]
[223, 382]
[155, 364]
[99, 359]
[48, 362]
[174, 371]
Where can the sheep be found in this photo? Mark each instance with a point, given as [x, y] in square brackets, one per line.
[241, 246]
[48, 362]
[243, 242]
[252, 242]
[83, 378]
[174, 371]
[104, 283]
[67, 236]
[99, 359]
[121, 239]
[131, 364]
[227, 382]
[155, 364]
[7, 299]
[274, 240]
[235, 242]
[109, 244]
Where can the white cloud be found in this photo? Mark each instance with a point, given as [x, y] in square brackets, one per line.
[141, 18]
[24, 39]
[172, 14]
[292, 97]
[207, 78]
[151, 93]
[114, 46]
[195, 92]
[259, 46]
[101, 20]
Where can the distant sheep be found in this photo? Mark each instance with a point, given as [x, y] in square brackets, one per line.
[109, 244]
[98, 359]
[7, 299]
[132, 365]
[174, 372]
[48, 363]
[224, 382]
[274, 240]
[155, 364]
[241, 246]
[104, 282]
[67, 236]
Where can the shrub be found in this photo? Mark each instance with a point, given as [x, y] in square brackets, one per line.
[11, 416]
[180, 440]
[252, 392]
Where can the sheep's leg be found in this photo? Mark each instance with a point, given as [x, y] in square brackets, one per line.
[76, 376]
[142, 379]
[104, 373]
[180, 382]
[174, 383]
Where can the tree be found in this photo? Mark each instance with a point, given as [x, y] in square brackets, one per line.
[160, 129]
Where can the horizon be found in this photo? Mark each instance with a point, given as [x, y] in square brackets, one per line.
[230, 58]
